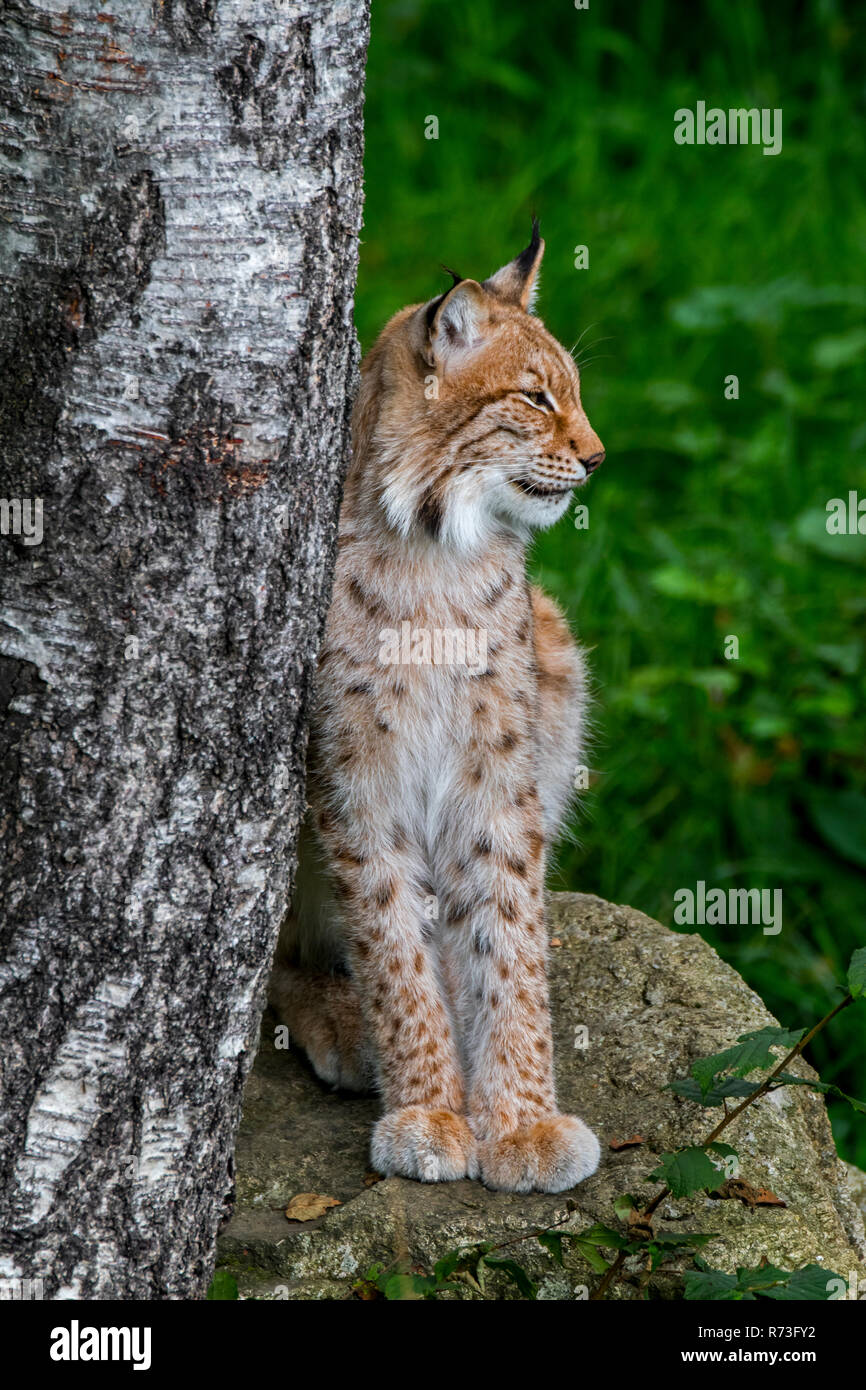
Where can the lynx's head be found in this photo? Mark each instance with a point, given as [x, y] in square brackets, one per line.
[469, 418]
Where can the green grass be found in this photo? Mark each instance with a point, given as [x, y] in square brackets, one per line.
[707, 519]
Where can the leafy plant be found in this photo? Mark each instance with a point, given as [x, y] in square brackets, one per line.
[766, 1281]
[467, 1266]
[691, 1169]
[223, 1287]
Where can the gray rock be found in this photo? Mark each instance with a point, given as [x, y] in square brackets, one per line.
[651, 1001]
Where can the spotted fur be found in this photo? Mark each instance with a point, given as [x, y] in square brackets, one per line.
[435, 791]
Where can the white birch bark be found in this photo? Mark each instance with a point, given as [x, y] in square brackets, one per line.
[179, 213]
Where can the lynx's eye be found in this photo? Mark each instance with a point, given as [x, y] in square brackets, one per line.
[539, 399]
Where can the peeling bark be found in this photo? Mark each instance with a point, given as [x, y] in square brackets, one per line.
[179, 212]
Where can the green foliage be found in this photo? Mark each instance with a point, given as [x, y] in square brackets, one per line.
[808, 1285]
[752, 1051]
[716, 1079]
[515, 1272]
[466, 1265]
[658, 1246]
[731, 1087]
[857, 973]
[223, 1287]
[551, 1241]
[709, 516]
[469, 1265]
[825, 1087]
[691, 1170]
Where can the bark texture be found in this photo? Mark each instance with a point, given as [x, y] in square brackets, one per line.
[179, 217]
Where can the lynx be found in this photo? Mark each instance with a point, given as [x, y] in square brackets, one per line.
[414, 957]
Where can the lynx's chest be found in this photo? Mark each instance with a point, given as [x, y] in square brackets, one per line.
[427, 668]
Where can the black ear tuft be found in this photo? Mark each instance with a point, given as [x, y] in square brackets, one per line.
[516, 282]
[527, 258]
[435, 303]
[454, 276]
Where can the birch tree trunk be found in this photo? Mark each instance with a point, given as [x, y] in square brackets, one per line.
[178, 238]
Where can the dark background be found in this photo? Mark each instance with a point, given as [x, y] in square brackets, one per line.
[708, 518]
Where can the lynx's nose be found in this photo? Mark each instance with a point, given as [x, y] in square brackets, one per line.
[587, 446]
[592, 463]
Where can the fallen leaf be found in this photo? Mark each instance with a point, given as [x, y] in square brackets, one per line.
[640, 1227]
[306, 1206]
[738, 1190]
[555, 941]
[632, 1143]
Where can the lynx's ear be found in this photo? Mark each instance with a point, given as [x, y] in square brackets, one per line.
[517, 282]
[458, 323]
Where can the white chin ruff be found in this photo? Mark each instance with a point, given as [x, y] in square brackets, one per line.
[538, 512]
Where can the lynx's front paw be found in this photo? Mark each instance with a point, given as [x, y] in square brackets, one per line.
[549, 1155]
[430, 1145]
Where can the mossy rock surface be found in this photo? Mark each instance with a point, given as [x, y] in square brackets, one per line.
[633, 1005]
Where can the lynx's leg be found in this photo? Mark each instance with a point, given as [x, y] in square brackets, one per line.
[380, 882]
[323, 1015]
[499, 935]
[492, 870]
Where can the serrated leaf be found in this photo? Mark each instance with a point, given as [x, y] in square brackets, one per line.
[825, 1087]
[857, 973]
[769, 1281]
[727, 1087]
[688, 1170]
[751, 1052]
[808, 1285]
[592, 1255]
[601, 1235]
[465, 1260]
[515, 1272]
[761, 1277]
[444, 1268]
[712, 1286]
[722, 1149]
[552, 1242]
